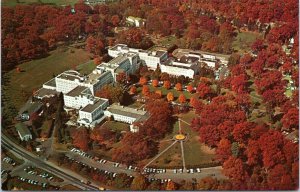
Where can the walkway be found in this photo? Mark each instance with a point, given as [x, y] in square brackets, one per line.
[160, 154]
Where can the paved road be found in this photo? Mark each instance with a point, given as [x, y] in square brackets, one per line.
[47, 166]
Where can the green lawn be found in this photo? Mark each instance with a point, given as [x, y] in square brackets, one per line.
[117, 126]
[36, 72]
[165, 91]
[244, 40]
[87, 67]
[169, 40]
[195, 152]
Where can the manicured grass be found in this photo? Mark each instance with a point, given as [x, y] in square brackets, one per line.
[165, 91]
[116, 126]
[244, 40]
[35, 73]
[61, 2]
[193, 150]
[171, 158]
[86, 68]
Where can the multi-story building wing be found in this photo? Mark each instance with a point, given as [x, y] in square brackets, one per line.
[89, 114]
[150, 58]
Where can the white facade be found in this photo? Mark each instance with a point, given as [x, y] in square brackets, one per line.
[150, 58]
[92, 112]
[177, 71]
[79, 101]
[119, 117]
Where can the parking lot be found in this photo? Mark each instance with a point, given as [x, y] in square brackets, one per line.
[163, 174]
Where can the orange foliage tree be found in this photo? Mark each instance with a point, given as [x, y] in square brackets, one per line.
[146, 90]
[167, 84]
[178, 87]
[182, 98]
[155, 83]
[170, 96]
[143, 80]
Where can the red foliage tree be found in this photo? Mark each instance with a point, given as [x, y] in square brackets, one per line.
[223, 151]
[290, 120]
[81, 139]
[132, 90]
[203, 90]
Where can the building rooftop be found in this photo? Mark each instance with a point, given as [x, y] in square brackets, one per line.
[91, 107]
[94, 77]
[188, 59]
[22, 129]
[126, 111]
[69, 77]
[31, 107]
[170, 62]
[116, 61]
[159, 53]
[51, 83]
[76, 91]
[43, 92]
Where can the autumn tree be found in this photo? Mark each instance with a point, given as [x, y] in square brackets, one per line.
[145, 90]
[112, 93]
[223, 151]
[170, 96]
[167, 84]
[155, 83]
[143, 81]
[171, 186]
[133, 90]
[134, 147]
[115, 20]
[190, 88]
[203, 90]
[139, 183]
[181, 98]
[290, 120]
[178, 87]
[95, 45]
[81, 139]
